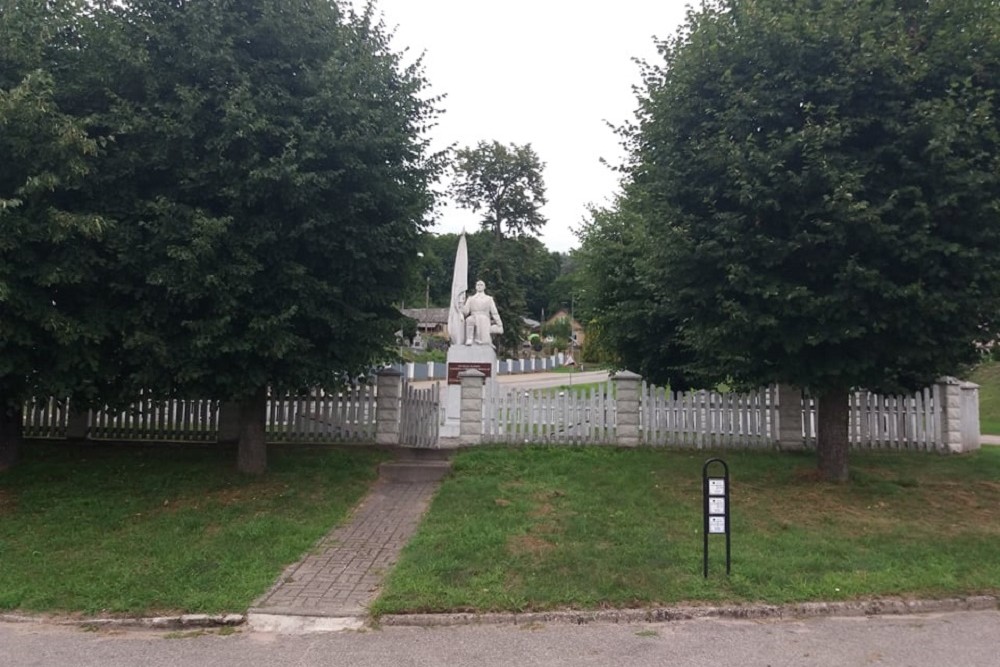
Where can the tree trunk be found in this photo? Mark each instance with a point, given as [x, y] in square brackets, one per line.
[832, 444]
[11, 428]
[251, 454]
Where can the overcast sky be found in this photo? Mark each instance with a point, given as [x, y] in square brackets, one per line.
[551, 73]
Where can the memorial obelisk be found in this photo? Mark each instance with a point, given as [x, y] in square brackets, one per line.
[471, 322]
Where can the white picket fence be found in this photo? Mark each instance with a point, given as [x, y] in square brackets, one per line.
[195, 420]
[45, 418]
[320, 417]
[420, 420]
[704, 419]
[887, 422]
[578, 417]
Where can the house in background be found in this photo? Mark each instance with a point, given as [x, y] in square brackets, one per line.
[578, 333]
[431, 322]
[434, 322]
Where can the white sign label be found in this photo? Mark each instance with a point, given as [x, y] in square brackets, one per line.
[716, 505]
[716, 524]
[716, 487]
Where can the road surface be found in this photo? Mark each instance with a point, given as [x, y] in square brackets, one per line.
[968, 639]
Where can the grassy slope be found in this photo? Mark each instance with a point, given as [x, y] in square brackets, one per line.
[987, 376]
[539, 528]
[144, 529]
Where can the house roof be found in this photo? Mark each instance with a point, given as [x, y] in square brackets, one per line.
[427, 317]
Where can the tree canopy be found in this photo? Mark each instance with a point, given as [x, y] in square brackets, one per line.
[264, 183]
[505, 183]
[817, 187]
[50, 329]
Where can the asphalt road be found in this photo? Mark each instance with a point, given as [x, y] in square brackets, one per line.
[537, 380]
[968, 639]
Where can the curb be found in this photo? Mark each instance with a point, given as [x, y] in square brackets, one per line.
[302, 624]
[180, 622]
[880, 607]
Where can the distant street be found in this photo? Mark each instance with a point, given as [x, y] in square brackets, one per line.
[968, 639]
[537, 380]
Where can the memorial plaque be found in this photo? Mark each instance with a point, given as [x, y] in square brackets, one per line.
[456, 367]
[716, 487]
[716, 505]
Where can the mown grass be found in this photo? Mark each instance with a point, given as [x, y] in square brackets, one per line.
[543, 528]
[987, 376]
[126, 530]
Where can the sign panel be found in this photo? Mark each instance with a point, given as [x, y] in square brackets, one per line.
[716, 505]
[716, 524]
[716, 487]
[456, 367]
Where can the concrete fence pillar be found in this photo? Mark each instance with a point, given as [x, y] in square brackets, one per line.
[627, 408]
[971, 439]
[959, 415]
[388, 406]
[229, 421]
[790, 435]
[471, 421]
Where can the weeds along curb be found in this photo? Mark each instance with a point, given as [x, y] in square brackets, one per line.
[879, 607]
[181, 622]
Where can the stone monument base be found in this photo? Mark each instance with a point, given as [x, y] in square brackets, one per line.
[460, 358]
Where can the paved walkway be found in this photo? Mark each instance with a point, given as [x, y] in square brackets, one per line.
[342, 574]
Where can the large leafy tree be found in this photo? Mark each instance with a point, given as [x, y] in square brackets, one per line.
[51, 331]
[269, 181]
[505, 183]
[628, 323]
[820, 182]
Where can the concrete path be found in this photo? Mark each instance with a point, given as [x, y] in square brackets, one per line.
[332, 586]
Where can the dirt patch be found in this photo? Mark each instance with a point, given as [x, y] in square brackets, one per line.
[8, 503]
[529, 544]
[501, 502]
[542, 510]
[224, 497]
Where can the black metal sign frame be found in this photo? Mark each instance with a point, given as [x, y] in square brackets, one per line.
[715, 503]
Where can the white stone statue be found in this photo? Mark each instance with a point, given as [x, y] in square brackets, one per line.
[481, 317]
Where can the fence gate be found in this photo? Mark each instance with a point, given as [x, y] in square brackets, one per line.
[419, 416]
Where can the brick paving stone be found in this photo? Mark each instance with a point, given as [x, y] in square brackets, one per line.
[342, 574]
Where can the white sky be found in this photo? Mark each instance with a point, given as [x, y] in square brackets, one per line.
[546, 72]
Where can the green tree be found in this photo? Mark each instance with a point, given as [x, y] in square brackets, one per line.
[820, 183]
[505, 183]
[50, 330]
[628, 322]
[269, 181]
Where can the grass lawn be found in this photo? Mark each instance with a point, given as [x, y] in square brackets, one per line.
[143, 529]
[987, 376]
[543, 528]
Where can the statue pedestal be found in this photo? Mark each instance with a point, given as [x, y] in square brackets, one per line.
[462, 358]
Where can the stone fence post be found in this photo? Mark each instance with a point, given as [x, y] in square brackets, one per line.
[470, 430]
[790, 438]
[971, 437]
[388, 406]
[627, 407]
[959, 415]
